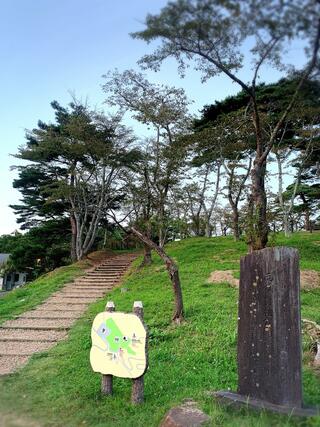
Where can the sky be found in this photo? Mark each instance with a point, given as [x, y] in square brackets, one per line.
[50, 49]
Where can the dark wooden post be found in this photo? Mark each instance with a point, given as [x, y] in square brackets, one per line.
[107, 380]
[137, 395]
[269, 335]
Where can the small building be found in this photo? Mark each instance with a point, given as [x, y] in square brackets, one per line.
[10, 279]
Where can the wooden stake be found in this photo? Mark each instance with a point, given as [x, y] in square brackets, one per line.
[107, 380]
[137, 395]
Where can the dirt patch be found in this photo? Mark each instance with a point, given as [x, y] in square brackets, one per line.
[309, 279]
[15, 421]
[96, 258]
[221, 276]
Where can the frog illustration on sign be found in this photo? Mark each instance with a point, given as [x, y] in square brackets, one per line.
[118, 345]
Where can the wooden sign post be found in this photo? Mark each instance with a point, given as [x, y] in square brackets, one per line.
[137, 395]
[107, 380]
[269, 334]
[119, 348]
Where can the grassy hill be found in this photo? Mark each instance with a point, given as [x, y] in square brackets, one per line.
[58, 388]
[22, 299]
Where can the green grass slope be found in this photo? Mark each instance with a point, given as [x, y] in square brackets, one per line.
[58, 388]
[29, 296]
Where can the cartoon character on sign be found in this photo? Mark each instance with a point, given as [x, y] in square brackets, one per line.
[118, 345]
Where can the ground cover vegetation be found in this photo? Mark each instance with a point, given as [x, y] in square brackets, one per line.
[28, 297]
[186, 361]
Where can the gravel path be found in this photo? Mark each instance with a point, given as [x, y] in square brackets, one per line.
[41, 328]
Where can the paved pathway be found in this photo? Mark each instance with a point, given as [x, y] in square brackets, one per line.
[41, 328]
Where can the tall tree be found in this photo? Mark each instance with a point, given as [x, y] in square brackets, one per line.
[225, 126]
[212, 33]
[164, 109]
[75, 166]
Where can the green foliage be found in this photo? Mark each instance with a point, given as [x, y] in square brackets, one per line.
[187, 361]
[41, 249]
[225, 128]
[212, 33]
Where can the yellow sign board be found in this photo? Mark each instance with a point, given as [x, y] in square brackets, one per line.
[118, 345]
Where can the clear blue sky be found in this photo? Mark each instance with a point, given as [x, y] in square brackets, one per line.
[51, 47]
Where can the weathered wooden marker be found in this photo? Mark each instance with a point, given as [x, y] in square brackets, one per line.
[119, 348]
[269, 333]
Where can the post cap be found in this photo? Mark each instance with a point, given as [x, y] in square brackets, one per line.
[110, 304]
[137, 304]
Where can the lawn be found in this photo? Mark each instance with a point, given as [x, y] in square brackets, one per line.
[29, 296]
[58, 388]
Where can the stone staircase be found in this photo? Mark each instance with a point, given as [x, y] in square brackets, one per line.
[41, 328]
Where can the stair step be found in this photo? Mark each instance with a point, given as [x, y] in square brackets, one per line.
[31, 335]
[104, 275]
[83, 294]
[62, 307]
[98, 279]
[39, 324]
[18, 348]
[47, 314]
[9, 364]
[73, 300]
[91, 286]
[97, 282]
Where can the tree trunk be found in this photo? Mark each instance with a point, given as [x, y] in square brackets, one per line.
[173, 273]
[208, 231]
[307, 220]
[258, 230]
[73, 251]
[286, 227]
[235, 220]
[147, 257]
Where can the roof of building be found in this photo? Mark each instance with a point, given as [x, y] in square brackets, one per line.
[4, 258]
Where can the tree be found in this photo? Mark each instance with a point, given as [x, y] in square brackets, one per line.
[225, 124]
[35, 184]
[309, 196]
[211, 33]
[163, 109]
[74, 171]
[40, 249]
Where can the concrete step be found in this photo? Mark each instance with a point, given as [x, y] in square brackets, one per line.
[102, 275]
[84, 294]
[62, 307]
[9, 364]
[73, 300]
[18, 348]
[45, 324]
[31, 335]
[47, 314]
[81, 292]
[97, 282]
[100, 278]
[92, 287]
[118, 264]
